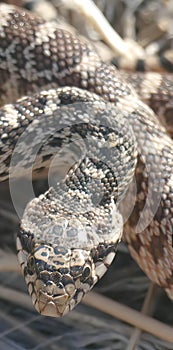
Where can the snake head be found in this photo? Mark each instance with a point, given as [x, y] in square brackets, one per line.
[62, 262]
[58, 278]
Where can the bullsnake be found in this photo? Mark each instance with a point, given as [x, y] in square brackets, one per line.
[82, 116]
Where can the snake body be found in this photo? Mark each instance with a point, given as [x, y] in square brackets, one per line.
[68, 236]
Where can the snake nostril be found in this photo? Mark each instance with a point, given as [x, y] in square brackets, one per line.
[49, 283]
[45, 276]
[76, 271]
[55, 277]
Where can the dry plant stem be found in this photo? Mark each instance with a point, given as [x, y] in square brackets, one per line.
[16, 297]
[45, 9]
[146, 310]
[91, 12]
[128, 315]
[134, 339]
[106, 305]
[8, 262]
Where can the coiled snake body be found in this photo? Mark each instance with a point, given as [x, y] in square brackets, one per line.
[81, 114]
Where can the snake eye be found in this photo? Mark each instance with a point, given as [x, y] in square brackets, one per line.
[86, 273]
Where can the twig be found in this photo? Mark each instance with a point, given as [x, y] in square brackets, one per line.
[128, 315]
[113, 308]
[15, 296]
[146, 310]
[91, 12]
[8, 261]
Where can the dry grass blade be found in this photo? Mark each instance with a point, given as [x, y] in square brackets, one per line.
[8, 261]
[94, 16]
[126, 314]
[147, 310]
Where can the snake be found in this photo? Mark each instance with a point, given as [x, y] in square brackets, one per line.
[65, 110]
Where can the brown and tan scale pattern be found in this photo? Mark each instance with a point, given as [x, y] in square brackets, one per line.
[27, 42]
[155, 90]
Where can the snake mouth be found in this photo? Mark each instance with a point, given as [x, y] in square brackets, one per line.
[57, 305]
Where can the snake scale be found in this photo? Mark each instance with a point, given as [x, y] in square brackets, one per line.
[81, 114]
